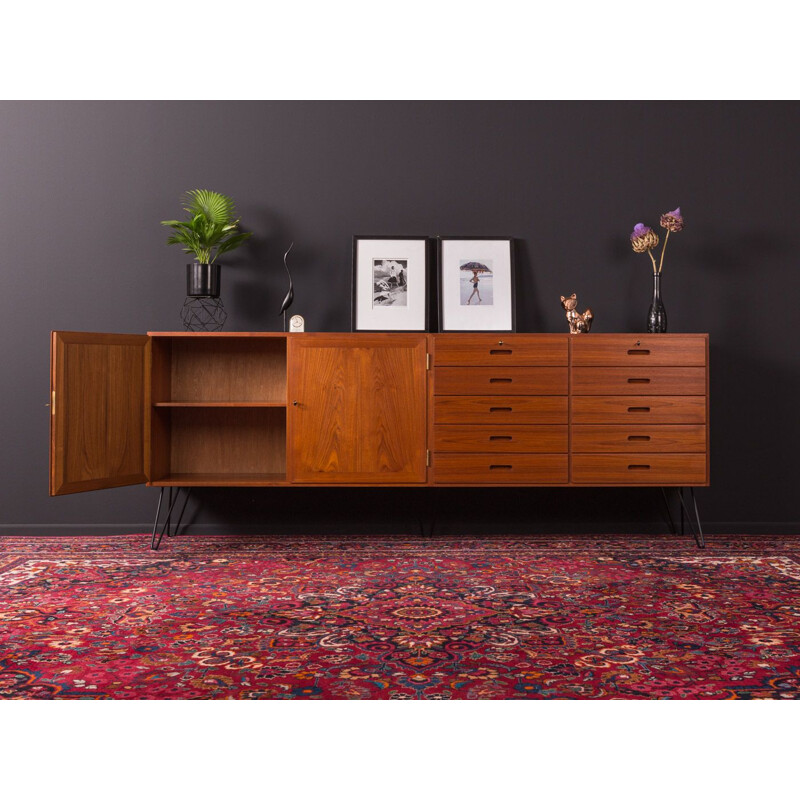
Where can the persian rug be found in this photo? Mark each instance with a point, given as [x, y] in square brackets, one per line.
[411, 618]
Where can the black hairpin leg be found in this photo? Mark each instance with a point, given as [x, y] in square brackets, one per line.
[158, 534]
[694, 525]
[669, 513]
[174, 532]
[153, 545]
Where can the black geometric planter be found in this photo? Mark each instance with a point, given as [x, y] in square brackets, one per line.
[202, 280]
[203, 314]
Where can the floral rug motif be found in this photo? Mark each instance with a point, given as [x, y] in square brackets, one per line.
[410, 618]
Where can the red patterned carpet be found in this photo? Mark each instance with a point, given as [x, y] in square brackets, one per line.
[355, 618]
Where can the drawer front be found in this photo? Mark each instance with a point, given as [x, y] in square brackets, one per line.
[500, 438]
[638, 409]
[500, 380]
[618, 350]
[640, 468]
[639, 380]
[507, 350]
[500, 410]
[639, 438]
[499, 469]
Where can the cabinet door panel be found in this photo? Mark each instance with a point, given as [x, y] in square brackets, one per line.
[100, 388]
[357, 408]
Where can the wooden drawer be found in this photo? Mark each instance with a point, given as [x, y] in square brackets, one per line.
[500, 380]
[499, 469]
[501, 438]
[501, 349]
[639, 438]
[622, 350]
[640, 468]
[638, 380]
[639, 410]
[500, 410]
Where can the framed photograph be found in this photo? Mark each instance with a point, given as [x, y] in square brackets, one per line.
[476, 284]
[390, 283]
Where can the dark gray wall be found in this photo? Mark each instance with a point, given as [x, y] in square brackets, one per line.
[83, 186]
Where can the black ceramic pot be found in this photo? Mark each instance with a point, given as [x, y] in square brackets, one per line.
[202, 280]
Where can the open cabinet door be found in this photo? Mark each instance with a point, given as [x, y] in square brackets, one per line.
[99, 410]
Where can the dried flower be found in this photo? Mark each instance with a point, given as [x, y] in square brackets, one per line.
[643, 238]
[672, 220]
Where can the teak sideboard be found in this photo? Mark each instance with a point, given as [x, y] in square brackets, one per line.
[378, 409]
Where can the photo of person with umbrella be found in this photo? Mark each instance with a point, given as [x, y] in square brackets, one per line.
[470, 285]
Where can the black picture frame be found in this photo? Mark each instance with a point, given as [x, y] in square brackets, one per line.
[440, 266]
[429, 251]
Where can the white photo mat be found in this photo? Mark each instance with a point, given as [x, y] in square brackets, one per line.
[406, 256]
[482, 305]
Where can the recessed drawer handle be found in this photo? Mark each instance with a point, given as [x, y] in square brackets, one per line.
[638, 352]
[500, 408]
[638, 380]
[638, 466]
[501, 380]
[501, 438]
[500, 352]
[638, 438]
[501, 466]
[639, 409]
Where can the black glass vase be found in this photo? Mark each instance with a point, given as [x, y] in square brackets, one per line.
[657, 315]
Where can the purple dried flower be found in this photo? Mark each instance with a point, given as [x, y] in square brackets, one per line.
[672, 220]
[643, 238]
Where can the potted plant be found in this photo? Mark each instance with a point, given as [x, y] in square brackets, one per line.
[211, 230]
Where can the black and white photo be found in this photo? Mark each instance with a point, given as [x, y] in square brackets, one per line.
[390, 283]
[476, 284]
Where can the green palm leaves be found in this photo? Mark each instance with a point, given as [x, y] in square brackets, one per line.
[212, 227]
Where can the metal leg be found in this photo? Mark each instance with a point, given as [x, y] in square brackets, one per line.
[680, 497]
[669, 512]
[159, 534]
[153, 545]
[698, 533]
[170, 504]
[174, 532]
[701, 539]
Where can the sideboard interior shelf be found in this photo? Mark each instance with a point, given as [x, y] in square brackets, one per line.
[219, 410]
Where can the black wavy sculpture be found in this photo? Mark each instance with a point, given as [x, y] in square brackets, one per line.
[289, 299]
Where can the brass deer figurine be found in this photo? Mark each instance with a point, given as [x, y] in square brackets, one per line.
[578, 323]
